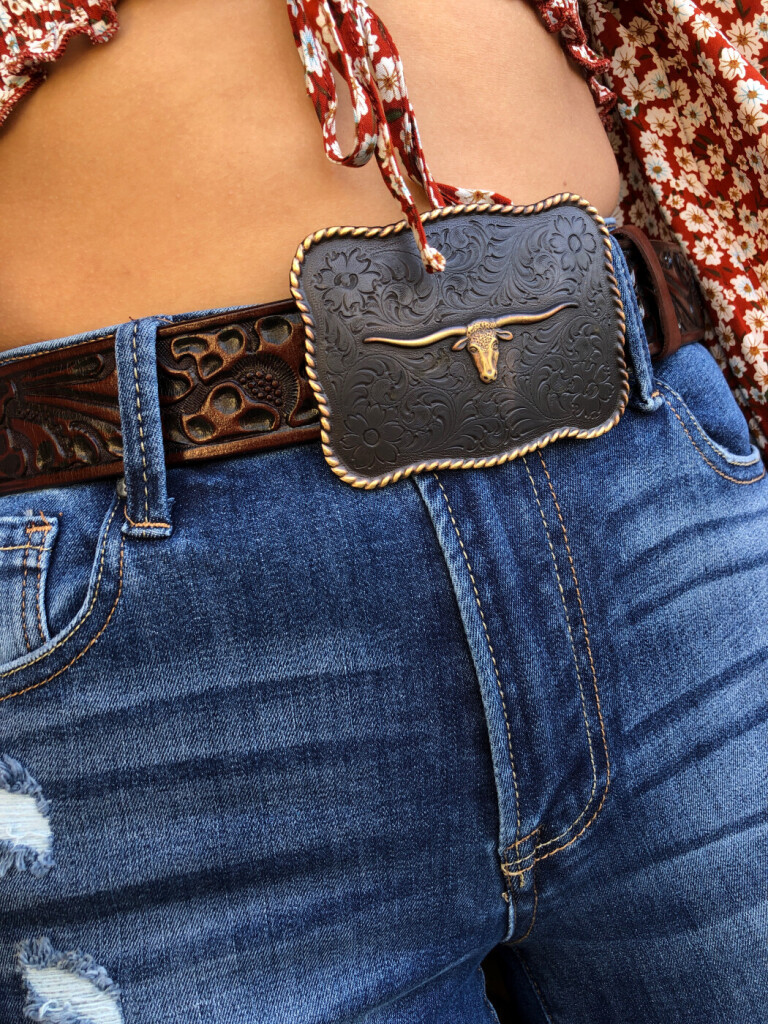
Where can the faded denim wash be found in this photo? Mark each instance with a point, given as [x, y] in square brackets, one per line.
[278, 751]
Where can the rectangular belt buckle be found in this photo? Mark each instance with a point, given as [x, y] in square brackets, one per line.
[518, 342]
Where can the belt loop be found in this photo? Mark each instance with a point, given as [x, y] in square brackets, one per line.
[147, 508]
[641, 396]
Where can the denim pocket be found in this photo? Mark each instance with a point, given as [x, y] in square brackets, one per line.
[29, 654]
[26, 543]
[698, 398]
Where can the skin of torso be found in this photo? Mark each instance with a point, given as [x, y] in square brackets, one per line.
[178, 167]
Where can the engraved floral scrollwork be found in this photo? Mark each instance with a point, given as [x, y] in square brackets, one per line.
[345, 278]
[575, 248]
[408, 394]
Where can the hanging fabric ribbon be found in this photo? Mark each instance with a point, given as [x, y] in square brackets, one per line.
[347, 36]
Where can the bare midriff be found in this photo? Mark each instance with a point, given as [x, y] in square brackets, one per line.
[178, 167]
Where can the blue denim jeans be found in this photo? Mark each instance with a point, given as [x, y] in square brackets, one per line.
[278, 751]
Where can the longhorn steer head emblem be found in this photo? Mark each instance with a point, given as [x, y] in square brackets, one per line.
[481, 338]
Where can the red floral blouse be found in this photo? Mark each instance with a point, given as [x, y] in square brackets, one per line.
[681, 85]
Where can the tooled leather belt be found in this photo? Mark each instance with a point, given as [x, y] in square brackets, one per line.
[235, 382]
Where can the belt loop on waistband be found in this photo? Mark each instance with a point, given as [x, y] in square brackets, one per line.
[641, 395]
[147, 509]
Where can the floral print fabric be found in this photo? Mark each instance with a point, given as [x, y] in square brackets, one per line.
[692, 142]
[33, 33]
[690, 129]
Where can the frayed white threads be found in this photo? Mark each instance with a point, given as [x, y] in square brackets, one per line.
[66, 988]
[26, 839]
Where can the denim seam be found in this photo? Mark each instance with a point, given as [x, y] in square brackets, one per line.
[44, 529]
[23, 547]
[493, 658]
[39, 595]
[131, 522]
[522, 873]
[726, 476]
[82, 621]
[25, 564]
[28, 355]
[720, 452]
[573, 824]
[138, 416]
[587, 641]
[528, 931]
[91, 642]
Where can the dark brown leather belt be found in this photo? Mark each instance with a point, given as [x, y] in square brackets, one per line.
[235, 382]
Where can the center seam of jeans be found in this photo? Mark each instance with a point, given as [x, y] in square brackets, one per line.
[573, 824]
[493, 660]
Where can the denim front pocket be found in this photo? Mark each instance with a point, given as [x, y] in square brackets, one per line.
[698, 398]
[26, 543]
[73, 586]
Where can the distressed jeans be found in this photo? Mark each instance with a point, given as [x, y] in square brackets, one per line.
[278, 751]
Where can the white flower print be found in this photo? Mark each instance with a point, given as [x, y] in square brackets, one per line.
[757, 320]
[660, 121]
[731, 63]
[707, 65]
[705, 26]
[624, 60]
[327, 30]
[754, 158]
[367, 149]
[723, 308]
[737, 365]
[677, 37]
[696, 219]
[694, 113]
[652, 144]
[310, 53]
[684, 157]
[466, 196]
[752, 117]
[361, 104]
[742, 249]
[744, 287]
[656, 82]
[750, 90]
[641, 31]
[705, 249]
[745, 38]
[657, 168]
[389, 79]
[680, 92]
[681, 10]
[741, 180]
[637, 92]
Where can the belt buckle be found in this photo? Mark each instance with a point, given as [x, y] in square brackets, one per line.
[518, 342]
